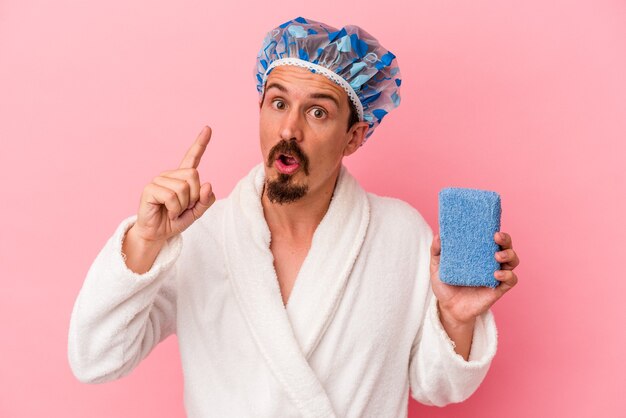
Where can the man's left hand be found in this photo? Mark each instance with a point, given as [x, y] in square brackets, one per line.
[462, 304]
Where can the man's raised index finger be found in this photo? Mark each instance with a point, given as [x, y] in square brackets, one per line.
[194, 154]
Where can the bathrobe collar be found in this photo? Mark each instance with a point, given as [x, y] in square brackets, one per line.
[288, 336]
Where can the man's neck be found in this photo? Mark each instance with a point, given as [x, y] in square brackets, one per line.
[297, 220]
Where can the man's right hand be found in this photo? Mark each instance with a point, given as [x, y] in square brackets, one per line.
[169, 205]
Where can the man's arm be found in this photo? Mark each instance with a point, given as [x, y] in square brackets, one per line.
[449, 359]
[438, 374]
[460, 333]
[127, 304]
[139, 254]
[458, 306]
[119, 316]
[458, 339]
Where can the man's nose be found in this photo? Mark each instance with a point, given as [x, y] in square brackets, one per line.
[291, 125]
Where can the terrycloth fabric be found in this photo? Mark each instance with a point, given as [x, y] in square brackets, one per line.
[360, 326]
[468, 221]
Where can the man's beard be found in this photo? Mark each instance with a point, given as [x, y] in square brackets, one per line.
[282, 190]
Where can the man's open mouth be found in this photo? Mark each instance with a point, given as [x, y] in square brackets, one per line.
[287, 164]
[288, 159]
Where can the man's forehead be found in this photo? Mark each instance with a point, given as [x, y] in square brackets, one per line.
[288, 77]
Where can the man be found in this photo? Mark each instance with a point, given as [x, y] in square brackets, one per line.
[300, 294]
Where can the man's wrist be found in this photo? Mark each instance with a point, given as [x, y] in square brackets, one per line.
[139, 254]
[460, 333]
[446, 317]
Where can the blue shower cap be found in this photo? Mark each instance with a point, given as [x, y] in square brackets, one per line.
[349, 56]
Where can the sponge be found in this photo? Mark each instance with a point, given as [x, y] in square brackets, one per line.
[468, 221]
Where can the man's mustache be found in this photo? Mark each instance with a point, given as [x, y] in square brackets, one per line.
[290, 147]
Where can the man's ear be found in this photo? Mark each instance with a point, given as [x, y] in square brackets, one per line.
[357, 136]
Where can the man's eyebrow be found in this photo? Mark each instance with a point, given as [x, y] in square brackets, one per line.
[276, 85]
[312, 96]
[325, 96]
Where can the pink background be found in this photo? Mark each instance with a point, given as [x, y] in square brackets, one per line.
[525, 98]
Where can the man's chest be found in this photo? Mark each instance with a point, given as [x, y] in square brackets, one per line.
[288, 259]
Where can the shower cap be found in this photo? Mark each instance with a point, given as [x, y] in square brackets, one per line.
[349, 56]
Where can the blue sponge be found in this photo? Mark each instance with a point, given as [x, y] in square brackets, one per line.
[468, 221]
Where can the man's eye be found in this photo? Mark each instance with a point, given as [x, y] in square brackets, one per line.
[318, 113]
[279, 104]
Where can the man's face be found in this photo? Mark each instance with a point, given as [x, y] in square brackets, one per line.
[303, 132]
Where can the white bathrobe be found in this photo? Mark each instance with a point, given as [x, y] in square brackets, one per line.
[360, 327]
